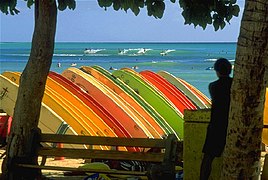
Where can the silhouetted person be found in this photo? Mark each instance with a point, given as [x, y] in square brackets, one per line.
[216, 132]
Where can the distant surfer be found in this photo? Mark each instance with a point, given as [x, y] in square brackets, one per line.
[216, 131]
[59, 64]
[163, 53]
[209, 68]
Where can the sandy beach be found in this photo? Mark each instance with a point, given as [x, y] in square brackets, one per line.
[58, 174]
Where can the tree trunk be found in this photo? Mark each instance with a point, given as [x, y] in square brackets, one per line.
[242, 151]
[31, 90]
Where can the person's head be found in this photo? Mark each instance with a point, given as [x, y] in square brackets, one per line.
[223, 67]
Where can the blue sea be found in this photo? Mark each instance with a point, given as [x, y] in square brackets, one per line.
[189, 61]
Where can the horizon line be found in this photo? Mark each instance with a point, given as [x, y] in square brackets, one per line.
[127, 42]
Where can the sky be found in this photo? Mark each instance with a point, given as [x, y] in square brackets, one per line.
[91, 23]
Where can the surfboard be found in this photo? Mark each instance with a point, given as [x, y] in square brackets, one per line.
[169, 113]
[137, 116]
[158, 119]
[49, 121]
[87, 114]
[146, 119]
[92, 103]
[89, 118]
[171, 92]
[265, 120]
[155, 89]
[185, 89]
[112, 104]
[63, 108]
[203, 97]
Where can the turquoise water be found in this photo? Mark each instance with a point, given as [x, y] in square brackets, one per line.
[188, 61]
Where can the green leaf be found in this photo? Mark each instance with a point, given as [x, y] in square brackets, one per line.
[30, 3]
[216, 25]
[135, 10]
[71, 4]
[222, 25]
[228, 18]
[158, 9]
[235, 10]
[140, 3]
[62, 5]
[134, 7]
[125, 6]
[105, 3]
[3, 7]
[116, 5]
[16, 11]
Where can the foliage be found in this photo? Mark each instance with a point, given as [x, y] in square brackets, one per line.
[9, 6]
[196, 12]
[155, 8]
[63, 4]
[203, 12]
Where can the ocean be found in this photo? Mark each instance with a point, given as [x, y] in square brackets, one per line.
[189, 61]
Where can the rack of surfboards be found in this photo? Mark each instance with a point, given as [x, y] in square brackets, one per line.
[122, 103]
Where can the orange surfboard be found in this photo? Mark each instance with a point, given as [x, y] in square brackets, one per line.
[64, 109]
[107, 100]
[147, 119]
[92, 103]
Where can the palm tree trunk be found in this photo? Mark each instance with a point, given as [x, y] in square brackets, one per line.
[31, 90]
[242, 151]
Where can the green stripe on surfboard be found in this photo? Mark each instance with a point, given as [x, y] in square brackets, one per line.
[159, 119]
[169, 113]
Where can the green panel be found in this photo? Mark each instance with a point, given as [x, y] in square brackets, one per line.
[194, 138]
[202, 115]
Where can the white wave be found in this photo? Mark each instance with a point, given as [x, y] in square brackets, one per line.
[136, 49]
[16, 55]
[170, 50]
[92, 51]
[133, 51]
[69, 55]
[143, 50]
[122, 52]
[165, 52]
[212, 59]
[102, 55]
